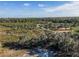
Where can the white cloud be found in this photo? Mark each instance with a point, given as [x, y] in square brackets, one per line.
[68, 9]
[26, 4]
[41, 5]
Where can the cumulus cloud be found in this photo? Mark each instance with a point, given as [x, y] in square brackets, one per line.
[26, 4]
[41, 5]
[69, 9]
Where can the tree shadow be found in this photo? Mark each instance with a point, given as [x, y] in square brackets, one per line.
[27, 44]
[31, 45]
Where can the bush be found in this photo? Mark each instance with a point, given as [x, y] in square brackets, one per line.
[65, 44]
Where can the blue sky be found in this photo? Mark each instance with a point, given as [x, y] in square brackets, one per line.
[38, 8]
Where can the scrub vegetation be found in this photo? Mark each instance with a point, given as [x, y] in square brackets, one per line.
[58, 33]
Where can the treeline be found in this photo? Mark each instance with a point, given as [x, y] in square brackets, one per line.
[52, 19]
[31, 23]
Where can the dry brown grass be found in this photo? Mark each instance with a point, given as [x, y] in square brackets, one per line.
[4, 52]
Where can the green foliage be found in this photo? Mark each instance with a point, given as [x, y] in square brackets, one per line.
[24, 33]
